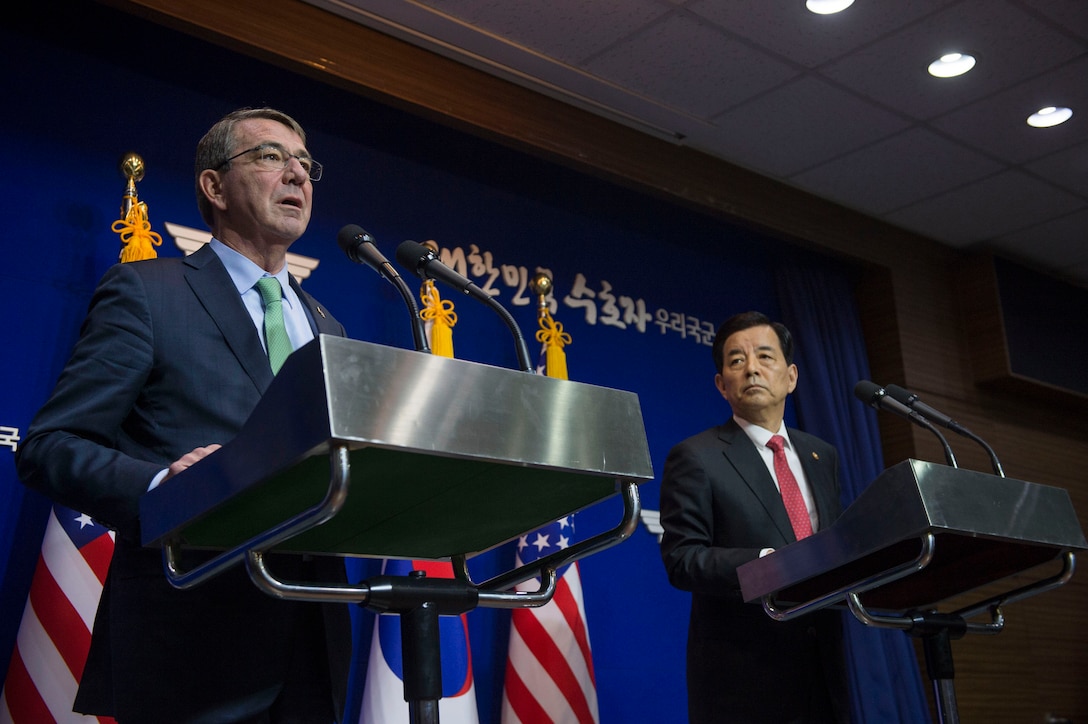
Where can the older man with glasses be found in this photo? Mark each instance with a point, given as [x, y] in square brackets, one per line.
[172, 358]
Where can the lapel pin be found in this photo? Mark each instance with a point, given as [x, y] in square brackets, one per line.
[322, 313]
[815, 456]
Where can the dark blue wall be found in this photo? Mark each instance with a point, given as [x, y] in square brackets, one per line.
[81, 93]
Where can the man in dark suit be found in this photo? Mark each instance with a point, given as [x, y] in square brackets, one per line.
[169, 364]
[721, 507]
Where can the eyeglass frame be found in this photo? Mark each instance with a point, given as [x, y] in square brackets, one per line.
[313, 173]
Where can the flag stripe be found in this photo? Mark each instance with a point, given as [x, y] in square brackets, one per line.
[98, 554]
[57, 615]
[55, 631]
[568, 606]
[27, 705]
[546, 649]
[541, 689]
[518, 701]
[47, 669]
[79, 584]
[550, 661]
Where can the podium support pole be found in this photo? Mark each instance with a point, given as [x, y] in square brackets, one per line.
[419, 601]
[421, 646]
[937, 632]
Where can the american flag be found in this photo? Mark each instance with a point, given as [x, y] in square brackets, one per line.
[549, 670]
[55, 632]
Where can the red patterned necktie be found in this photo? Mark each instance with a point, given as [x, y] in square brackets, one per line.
[791, 491]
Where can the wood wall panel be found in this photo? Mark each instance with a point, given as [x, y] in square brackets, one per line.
[917, 332]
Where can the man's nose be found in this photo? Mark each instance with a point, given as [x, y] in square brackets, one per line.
[295, 169]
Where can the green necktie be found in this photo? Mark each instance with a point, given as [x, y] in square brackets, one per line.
[275, 334]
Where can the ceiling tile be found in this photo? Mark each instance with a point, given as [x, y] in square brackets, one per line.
[998, 124]
[568, 30]
[1059, 246]
[793, 32]
[1061, 241]
[690, 65]
[1070, 15]
[896, 171]
[1011, 45]
[798, 126]
[841, 105]
[1067, 168]
[993, 207]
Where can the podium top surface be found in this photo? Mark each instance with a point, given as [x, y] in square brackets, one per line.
[447, 456]
[986, 528]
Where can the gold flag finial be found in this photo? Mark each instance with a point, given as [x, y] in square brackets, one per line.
[437, 313]
[138, 240]
[551, 333]
[132, 168]
[541, 286]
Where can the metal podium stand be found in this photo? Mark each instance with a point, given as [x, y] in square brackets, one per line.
[359, 449]
[920, 535]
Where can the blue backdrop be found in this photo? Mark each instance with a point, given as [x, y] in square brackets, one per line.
[640, 283]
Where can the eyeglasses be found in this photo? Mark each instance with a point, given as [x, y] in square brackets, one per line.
[274, 157]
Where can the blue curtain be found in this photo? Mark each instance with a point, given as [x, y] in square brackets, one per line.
[819, 307]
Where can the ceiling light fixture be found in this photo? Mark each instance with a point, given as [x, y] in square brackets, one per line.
[1049, 116]
[828, 7]
[951, 64]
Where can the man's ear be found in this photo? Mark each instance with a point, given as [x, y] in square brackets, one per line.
[720, 384]
[211, 186]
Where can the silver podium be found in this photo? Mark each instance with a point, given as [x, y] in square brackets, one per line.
[359, 449]
[921, 535]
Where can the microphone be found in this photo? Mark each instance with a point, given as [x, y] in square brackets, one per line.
[358, 244]
[875, 396]
[425, 264]
[911, 400]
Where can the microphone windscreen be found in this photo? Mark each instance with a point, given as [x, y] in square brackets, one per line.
[411, 255]
[866, 391]
[898, 394]
[348, 237]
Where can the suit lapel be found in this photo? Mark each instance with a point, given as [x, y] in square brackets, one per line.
[820, 480]
[745, 459]
[212, 285]
[321, 322]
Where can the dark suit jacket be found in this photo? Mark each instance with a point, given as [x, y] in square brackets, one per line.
[719, 508]
[168, 359]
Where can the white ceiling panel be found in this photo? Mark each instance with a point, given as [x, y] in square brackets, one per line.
[800, 125]
[896, 172]
[841, 106]
[1051, 238]
[993, 207]
[567, 30]
[1010, 44]
[690, 65]
[1067, 168]
[807, 39]
[997, 124]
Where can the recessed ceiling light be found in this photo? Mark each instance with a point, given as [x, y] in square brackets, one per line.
[828, 7]
[951, 65]
[1049, 116]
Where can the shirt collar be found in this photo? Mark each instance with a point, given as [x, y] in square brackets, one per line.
[761, 435]
[243, 272]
